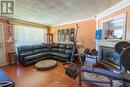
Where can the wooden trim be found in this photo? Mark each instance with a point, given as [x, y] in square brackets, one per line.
[3, 43]
[15, 21]
[121, 5]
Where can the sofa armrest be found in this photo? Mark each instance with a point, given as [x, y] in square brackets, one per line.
[22, 54]
[21, 57]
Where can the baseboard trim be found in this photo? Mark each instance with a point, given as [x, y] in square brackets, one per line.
[5, 64]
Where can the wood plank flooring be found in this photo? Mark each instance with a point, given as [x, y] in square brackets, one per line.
[30, 77]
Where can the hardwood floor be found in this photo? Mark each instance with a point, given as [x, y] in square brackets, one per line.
[30, 77]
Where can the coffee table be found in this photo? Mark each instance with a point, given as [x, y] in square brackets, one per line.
[45, 64]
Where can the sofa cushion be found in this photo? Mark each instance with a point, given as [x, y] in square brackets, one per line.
[69, 46]
[68, 51]
[44, 46]
[36, 47]
[27, 58]
[60, 58]
[62, 46]
[27, 53]
[64, 55]
[55, 45]
[45, 50]
[55, 53]
[26, 48]
[37, 51]
[55, 49]
[48, 53]
[61, 50]
[60, 54]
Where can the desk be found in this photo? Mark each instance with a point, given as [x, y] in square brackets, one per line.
[12, 57]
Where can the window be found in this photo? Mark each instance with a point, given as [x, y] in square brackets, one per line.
[26, 35]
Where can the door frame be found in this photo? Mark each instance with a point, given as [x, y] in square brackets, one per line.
[3, 44]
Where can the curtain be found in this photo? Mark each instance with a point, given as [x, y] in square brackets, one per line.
[26, 35]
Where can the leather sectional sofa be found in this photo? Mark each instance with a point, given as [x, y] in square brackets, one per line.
[31, 54]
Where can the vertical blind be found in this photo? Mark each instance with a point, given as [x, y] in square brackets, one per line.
[26, 35]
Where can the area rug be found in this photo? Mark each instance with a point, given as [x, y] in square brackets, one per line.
[92, 76]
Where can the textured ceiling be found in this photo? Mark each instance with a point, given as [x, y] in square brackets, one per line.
[54, 12]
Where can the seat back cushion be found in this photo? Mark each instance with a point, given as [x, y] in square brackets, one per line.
[45, 48]
[55, 45]
[37, 49]
[62, 46]
[24, 49]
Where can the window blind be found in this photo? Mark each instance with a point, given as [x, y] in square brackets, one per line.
[26, 35]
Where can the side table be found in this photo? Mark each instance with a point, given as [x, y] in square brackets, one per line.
[12, 57]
